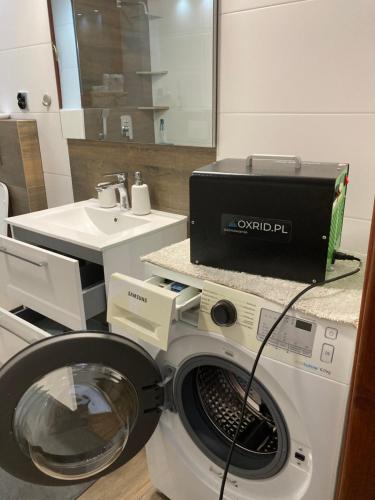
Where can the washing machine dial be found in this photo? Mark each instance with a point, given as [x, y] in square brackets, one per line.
[224, 313]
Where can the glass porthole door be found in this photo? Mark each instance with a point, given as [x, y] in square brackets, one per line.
[76, 406]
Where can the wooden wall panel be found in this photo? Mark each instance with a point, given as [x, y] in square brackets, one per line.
[32, 164]
[166, 169]
[99, 42]
[21, 166]
[357, 475]
[114, 40]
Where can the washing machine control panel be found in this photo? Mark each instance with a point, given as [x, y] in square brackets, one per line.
[315, 345]
[292, 334]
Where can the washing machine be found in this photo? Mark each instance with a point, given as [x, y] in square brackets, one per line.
[171, 376]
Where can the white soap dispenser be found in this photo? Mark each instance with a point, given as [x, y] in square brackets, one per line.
[140, 196]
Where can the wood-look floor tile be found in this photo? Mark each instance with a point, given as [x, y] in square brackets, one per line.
[130, 482]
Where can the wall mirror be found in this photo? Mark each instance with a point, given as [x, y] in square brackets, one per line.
[137, 71]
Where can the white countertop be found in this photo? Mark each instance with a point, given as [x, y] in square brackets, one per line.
[86, 224]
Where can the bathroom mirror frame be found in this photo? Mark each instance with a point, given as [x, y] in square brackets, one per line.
[75, 120]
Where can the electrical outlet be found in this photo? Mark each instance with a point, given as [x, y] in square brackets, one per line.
[22, 100]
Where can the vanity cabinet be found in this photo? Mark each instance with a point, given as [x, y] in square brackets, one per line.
[62, 285]
[67, 290]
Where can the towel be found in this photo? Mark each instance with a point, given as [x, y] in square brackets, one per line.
[339, 301]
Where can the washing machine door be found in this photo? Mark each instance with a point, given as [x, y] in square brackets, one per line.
[76, 406]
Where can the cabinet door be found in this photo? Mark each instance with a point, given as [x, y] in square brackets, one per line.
[16, 334]
[76, 406]
[44, 281]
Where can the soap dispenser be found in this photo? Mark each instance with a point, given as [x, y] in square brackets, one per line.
[140, 196]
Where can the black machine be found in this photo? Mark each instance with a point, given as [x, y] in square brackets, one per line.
[268, 215]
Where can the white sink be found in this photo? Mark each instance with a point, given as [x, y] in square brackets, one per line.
[86, 224]
[90, 220]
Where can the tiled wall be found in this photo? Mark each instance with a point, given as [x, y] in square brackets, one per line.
[298, 77]
[26, 63]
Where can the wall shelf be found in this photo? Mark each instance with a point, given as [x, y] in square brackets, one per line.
[151, 73]
[108, 93]
[153, 108]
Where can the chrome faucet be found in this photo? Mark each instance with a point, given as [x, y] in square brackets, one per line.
[120, 186]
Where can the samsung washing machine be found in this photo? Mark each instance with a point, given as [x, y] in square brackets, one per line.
[79, 405]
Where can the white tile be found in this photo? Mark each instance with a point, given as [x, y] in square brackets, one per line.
[338, 138]
[227, 6]
[183, 16]
[70, 88]
[314, 56]
[29, 69]
[23, 22]
[53, 146]
[59, 189]
[355, 235]
[73, 123]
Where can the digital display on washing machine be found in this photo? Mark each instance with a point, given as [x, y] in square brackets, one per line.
[303, 325]
[293, 334]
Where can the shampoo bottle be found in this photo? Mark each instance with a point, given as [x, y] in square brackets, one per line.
[140, 196]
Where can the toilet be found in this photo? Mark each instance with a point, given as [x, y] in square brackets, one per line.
[4, 207]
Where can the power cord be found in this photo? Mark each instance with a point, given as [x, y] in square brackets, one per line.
[337, 256]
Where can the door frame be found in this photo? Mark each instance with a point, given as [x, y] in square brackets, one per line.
[357, 469]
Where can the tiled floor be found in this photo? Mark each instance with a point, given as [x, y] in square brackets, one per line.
[130, 482]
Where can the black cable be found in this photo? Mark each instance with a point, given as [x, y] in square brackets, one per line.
[339, 256]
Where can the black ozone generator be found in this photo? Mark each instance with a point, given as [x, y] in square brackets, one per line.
[268, 215]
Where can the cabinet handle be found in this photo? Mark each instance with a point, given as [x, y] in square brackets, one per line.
[37, 264]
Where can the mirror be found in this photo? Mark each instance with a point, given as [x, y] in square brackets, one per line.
[137, 71]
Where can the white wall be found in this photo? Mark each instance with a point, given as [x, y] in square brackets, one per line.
[26, 63]
[181, 42]
[298, 77]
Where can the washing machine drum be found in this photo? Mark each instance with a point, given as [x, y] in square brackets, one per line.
[222, 394]
[210, 394]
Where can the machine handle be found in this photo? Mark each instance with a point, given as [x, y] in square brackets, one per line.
[37, 264]
[276, 158]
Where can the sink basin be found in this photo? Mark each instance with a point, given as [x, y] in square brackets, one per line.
[86, 224]
[95, 221]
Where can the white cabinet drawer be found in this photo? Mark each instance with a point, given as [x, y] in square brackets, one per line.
[48, 283]
[16, 334]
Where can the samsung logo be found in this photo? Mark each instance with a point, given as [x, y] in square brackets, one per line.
[137, 296]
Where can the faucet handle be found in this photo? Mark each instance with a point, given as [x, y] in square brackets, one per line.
[120, 176]
[103, 185]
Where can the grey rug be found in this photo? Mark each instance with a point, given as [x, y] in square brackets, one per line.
[12, 488]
